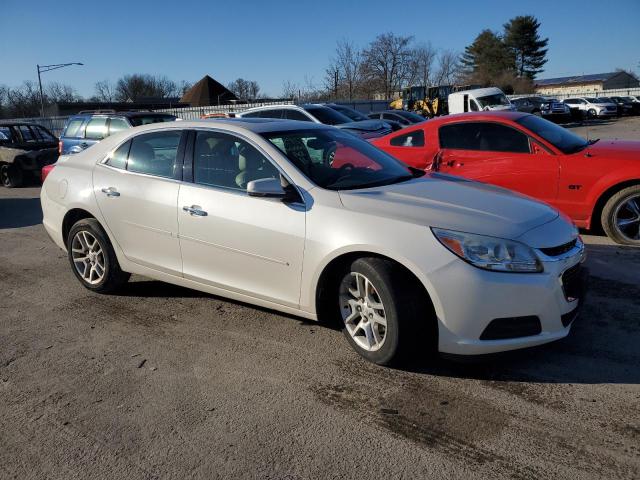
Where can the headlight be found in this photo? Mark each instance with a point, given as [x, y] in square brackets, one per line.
[490, 253]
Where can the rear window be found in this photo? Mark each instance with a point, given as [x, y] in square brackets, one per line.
[73, 127]
[328, 116]
[148, 119]
[96, 128]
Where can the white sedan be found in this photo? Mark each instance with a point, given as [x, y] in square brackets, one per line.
[312, 221]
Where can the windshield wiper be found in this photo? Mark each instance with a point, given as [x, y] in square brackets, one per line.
[591, 142]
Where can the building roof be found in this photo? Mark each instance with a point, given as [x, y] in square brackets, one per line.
[578, 79]
[207, 91]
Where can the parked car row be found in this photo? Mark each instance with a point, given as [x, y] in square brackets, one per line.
[578, 108]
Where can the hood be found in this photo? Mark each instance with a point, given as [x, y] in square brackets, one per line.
[493, 108]
[445, 201]
[628, 149]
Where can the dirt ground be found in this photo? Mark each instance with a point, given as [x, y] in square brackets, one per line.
[164, 382]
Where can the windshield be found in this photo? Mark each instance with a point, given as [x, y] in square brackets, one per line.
[147, 119]
[593, 100]
[556, 135]
[327, 115]
[413, 117]
[338, 160]
[354, 115]
[491, 100]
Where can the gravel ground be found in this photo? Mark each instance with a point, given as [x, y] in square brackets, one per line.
[164, 382]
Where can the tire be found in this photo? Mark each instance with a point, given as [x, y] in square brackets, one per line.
[390, 297]
[592, 113]
[621, 216]
[100, 271]
[11, 176]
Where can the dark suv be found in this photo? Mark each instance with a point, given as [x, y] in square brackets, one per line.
[87, 128]
[24, 149]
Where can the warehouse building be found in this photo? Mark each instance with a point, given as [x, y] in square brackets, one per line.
[583, 84]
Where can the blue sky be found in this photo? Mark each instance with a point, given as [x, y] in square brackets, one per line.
[273, 41]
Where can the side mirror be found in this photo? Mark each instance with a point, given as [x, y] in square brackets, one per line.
[265, 187]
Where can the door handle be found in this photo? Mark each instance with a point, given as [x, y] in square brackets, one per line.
[195, 211]
[110, 192]
[84, 145]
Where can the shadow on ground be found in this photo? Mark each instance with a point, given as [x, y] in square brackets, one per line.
[20, 212]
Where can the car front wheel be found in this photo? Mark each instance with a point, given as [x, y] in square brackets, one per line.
[621, 216]
[92, 257]
[382, 310]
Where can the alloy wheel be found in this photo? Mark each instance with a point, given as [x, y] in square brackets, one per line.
[88, 257]
[627, 218]
[363, 312]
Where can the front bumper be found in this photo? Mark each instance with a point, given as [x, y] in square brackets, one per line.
[472, 298]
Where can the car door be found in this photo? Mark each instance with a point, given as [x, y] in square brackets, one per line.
[231, 240]
[499, 154]
[137, 193]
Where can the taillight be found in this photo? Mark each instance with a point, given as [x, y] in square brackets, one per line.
[59, 148]
[46, 170]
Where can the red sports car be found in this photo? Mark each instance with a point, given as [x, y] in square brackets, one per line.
[595, 182]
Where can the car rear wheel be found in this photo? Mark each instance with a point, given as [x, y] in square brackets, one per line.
[381, 310]
[621, 216]
[10, 175]
[92, 257]
[592, 113]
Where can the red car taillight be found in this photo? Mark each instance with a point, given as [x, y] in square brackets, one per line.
[46, 170]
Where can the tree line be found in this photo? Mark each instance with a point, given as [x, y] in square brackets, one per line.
[510, 59]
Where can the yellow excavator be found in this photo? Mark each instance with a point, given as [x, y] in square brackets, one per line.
[427, 101]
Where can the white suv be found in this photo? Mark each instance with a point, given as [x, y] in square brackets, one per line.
[592, 106]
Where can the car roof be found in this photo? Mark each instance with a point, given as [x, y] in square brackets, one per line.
[131, 114]
[271, 107]
[254, 125]
[479, 116]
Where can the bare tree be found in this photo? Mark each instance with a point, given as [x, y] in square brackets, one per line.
[422, 59]
[131, 88]
[348, 63]
[449, 70]
[387, 60]
[244, 89]
[55, 92]
[290, 89]
[104, 91]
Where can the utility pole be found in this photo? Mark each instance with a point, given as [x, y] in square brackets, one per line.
[48, 68]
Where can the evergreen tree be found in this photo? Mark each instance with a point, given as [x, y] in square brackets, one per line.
[523, 41]
[486, 58]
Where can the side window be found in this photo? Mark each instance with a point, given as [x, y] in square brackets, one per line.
[411, 139]
[473, 105]
[118, 157]
[5, 134]
[26, 134]
[154, 153]
[489, 137]
[116, 125]
[296, 115]
[222, 160]
[252, 114]
[271, 113]
[96, 128]
[72, 128]
[44, 134]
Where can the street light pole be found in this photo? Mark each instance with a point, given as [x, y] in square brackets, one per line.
[48, 68]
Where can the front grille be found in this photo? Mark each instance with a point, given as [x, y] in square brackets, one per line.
[512, 327]
[572, 283]
[560, 249]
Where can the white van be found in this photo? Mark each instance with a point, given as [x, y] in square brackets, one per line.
[479, 99]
